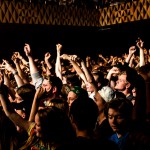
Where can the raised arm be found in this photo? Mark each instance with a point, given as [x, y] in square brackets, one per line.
[132, 50]
[9, 67]
[131, 61]
[21, 73]
[73, 61]
[46, 59]
[103, 58]
[32, 65]
[35, 104]
[140, 45]
[18, 55]
[7, 82]
[58, 63]
[8, 109]
[89, 76]
[36, 76]
[114, 71]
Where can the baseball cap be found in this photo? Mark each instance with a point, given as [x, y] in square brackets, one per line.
[107, 93]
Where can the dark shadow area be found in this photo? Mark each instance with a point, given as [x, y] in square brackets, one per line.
[111, 40]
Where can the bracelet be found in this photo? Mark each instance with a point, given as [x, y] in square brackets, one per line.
[15, 73]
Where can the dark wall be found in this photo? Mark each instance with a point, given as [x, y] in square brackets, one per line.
[112, 40]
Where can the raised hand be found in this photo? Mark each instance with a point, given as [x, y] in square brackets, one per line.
[139, 43]
[6, 65]
[73, 57]
[114, 70]
[47, 56]
[17, 55]
[132, 50]
[58, 47]
[65, 56]
[27, 50]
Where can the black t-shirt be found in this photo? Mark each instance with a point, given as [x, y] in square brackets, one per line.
[82, 143]
[103, 130]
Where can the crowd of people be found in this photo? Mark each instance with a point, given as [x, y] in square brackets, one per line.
[71, 103]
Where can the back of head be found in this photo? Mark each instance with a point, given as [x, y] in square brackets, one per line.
[80, 92]
[84, 112]
[73, 80]
[26, 92]
[61, 104]
[55, 124]
[99, 78]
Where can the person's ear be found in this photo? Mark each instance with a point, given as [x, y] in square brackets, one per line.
[23, 115]
[128, 85]
[54, 90]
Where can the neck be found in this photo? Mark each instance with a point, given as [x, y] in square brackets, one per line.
[120, 134]
[126, 93]
[83, 133]
[101, 118]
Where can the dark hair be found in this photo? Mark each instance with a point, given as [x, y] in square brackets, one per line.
[56, 128]
[65, 90]
[74, 80]
[26, 92]
[61, 104]
[144, 69]
[123, 105]
[55, 124]
[55, 81]
[85, 112]
[80, 92]
[131, 76]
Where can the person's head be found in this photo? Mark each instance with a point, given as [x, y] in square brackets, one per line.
[65, 90]
[89, 87]
[61, 104]
[26, 91]
[74, 93]
[83, 114]
[52, 85]
[119, 113]
[73, 80]
[99, 78]
[52, 125]
[126, 80]
[107, 93]
[104, 95]
[24, 96]
[18, 98]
